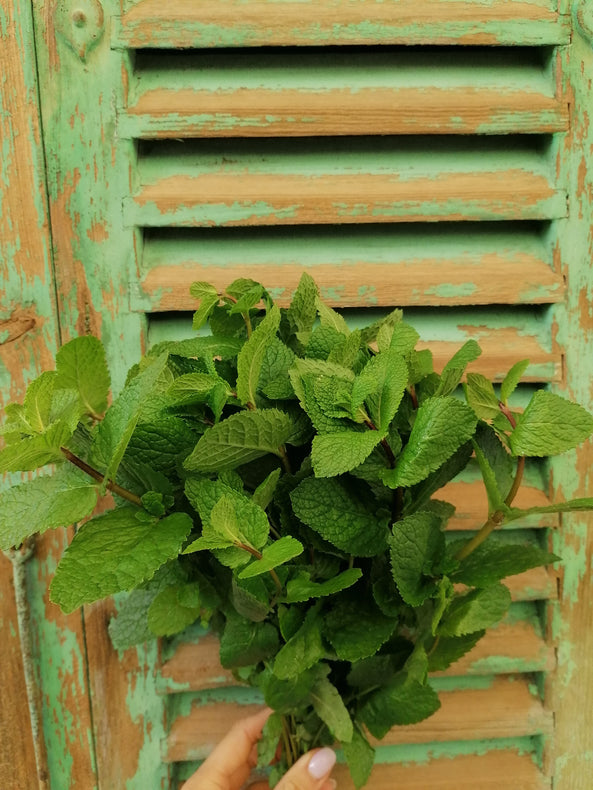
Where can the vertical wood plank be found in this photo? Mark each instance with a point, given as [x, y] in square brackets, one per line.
[29, 336]
[571, 689]
[82, 81]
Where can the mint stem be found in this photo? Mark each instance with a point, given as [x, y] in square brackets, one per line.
[258, 555]
[284, 457]
[111, 485]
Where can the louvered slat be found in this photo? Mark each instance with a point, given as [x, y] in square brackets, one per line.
[319, 93]
[235, 23]
[347, 181]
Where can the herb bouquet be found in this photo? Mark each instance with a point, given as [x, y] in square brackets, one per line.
[275, 479]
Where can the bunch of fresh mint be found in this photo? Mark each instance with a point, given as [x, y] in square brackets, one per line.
[275, 478]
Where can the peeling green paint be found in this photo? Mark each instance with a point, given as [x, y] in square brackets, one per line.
[449, 290]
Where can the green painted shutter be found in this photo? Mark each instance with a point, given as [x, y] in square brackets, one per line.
[430, 154]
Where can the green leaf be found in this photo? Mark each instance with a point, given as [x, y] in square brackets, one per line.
[45, 503]
[417, 543]
[205, 347]
[388, 374]
[250, 297]
[341, 515]
[263, 494]
[315, 368]
[442, 425]
[208, 297]
[360, 757]
[268, 743]
[279, 552]
[239, 439]
[225, 524]
[450, 649]
[31, 453]
[81, 365]
[273, 379]
[356, 628]
[302, 589]
[303, 650]
[400, 337]
[330, 708]
[174, 609]
[512, 379]
[162, 444]
[455, 367]
[250, 599]
[329, 317]
[475, 611]
[115, 430]
[38, 401]
[244, 643]
[252, 355]
[583, 503]
[499, 459]
[550, 425]
[115, 552]
[494, 560]
[495, 498]
[194, 388]
[480, 395]
[403, 701]
[422, 492]
[336, 453]
[302, 312]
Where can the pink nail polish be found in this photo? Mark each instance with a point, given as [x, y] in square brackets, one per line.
[321, 763]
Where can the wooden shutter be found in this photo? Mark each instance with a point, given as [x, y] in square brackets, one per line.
[424, 154]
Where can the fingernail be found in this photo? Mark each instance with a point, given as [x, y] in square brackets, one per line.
[321, 763]
[332, 783]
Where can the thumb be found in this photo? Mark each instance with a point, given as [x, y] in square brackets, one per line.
[310, 772]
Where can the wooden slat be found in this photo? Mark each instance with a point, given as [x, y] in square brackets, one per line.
[471, 505]
[506, 709]
[234, 23]
[294, 113]
[509, 648]
[244, 198]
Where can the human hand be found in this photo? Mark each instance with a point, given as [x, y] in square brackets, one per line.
[230, 764]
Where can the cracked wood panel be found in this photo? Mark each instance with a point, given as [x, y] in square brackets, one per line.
[502, 707]
[81, 81]
[341, 92]
[570, 690]
[233, 23]
[29, 337]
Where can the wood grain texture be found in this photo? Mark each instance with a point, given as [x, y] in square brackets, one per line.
[199, 23]
[243, 198]
[294, 113]
[505, 709]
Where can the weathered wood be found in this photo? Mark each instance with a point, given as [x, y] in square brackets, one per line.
[507, 649]
[200, 23]
[570, 690]
[504, 709]
[471, 505]
[259, 198]
[343, 111]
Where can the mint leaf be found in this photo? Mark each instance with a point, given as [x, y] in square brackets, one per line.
[371, 332]
[450, 649]
[45, 503]
[495, 498]
[224, 523]
[455, 367]
[303, 650]
[480, 395]
[286, 695]
[194, 388]
[204, 347]
[403, 701]
[499, 459]
[381, 386]
[252, 355]
[115, 552]
[329, 317]
[302, 312]
[116, 429]
[475, 611]
[422, 492]
[550, 425]
[341, 515]
[279, 552]
[417, 543]
[31, 453]
[81, 365]
[495, 559]
[162, 444]
[441, 426]
[315, 368]
[208, 297]
[38, 401]
[302, 589]
[263, 494]
[400, 337]
[360, 757]
[336, 453]
[356, 628]
[268, 743]
[273, 379]
[347, 352]
[512, 379]
[250, 599]
[244, 643]
[239, 439]
[330, 708]
[174, 609]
